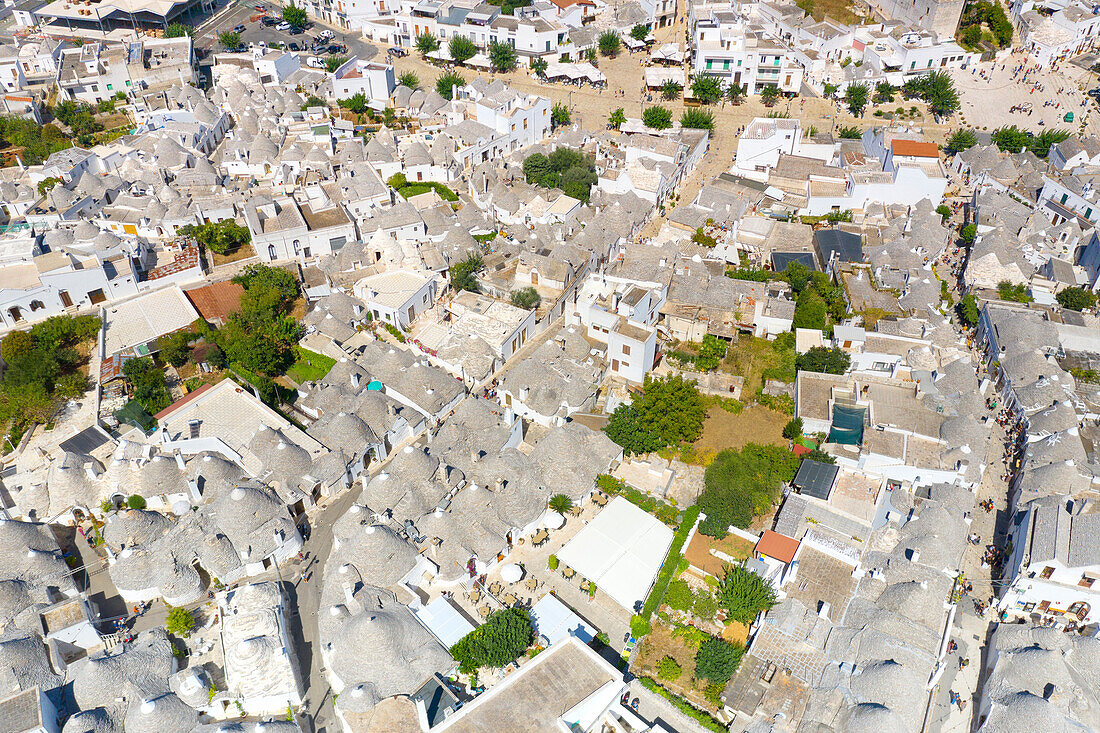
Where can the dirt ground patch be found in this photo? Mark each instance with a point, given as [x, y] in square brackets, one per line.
[756, 424]
[839, 10]
[241, 253]
[661, 642]
[736, 633]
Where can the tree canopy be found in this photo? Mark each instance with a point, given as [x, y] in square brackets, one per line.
[502, 57]
[147, 381]
[559, 115]
[610, 43]
[570, 170]
[229, 40]
[707, 88]
[526, 298]
[464, 274]
[744, 594]
[499, 641]
[218, 236]
[936, 89]
[1076, 299]
[739, 484]
[639, 32]
[960, 140]
[856, 97]
[657, 117]
[717, 660]
[295, 15]
[617, 118]
[697, 119]
[823, 359]
[461, 48]
[447, 82]
[426, 43]
[669, 412]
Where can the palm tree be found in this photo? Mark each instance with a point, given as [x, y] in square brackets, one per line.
[670, 89]
[770, 95]
[736, 93]
[561, 503]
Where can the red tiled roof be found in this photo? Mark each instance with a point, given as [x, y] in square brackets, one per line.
[181, 402]
[217, 300]
[779, 546]
[186, 259]
[915, 149]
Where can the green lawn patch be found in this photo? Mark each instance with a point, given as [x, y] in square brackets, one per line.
[415, 189]
[309, 366]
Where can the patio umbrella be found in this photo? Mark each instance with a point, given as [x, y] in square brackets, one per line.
[511, 573]
[554, 520]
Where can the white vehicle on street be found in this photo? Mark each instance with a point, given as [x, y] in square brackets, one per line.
[315, 62]
[284, 26]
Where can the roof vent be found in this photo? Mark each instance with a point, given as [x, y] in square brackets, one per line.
[148, 706]
[236, 494]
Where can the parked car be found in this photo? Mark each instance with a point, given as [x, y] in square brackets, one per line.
[268, 21]
[315, 62]
[294, 31]
[337, 48]
[284, 26]
[239, 28]
[1094, 93]
[396, 52]
[293, 47]
[326, 34]
[259, 8]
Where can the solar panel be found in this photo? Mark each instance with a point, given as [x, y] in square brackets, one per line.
[86, 441]
[815, 479]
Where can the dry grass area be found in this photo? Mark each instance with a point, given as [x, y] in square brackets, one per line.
[241, 253]
[755, 359]
[662, 642]
[756, 424]
[736, 633]
[839, 10]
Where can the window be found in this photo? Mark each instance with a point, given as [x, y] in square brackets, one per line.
[710, 64]
[1064, 197]
[1047, 572]
[881, 366]
[626, 350]
[110, 87]
[1085, 582]
[37, 305]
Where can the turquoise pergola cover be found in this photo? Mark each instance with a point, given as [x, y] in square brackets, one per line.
[847, 427]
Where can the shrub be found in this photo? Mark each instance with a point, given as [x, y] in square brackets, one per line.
[526, 298]
[705, 606]
[180, 622]
[409, 79]
[744, 594]
[968, 233]
[669, 669]
[503, 637]
[1076, 299]
[944, 211]
[464, 274]
[657, 117]
[793, 429]
[823, 359]
[968, 310]
[552, 562]
[639, 626]
[136, 501]
[697, 119]
[717, 660]
[679, 596]
[739, 484]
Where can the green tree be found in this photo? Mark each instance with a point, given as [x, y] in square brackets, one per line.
[744, 594]
[856, 97]
[938, 91]
[559, 115]
[178, 30]
[1076, 299]
[499, 641]
[741, 484]
[707, 88]
[1010, 139]
[1040, 144]
[539, 65]
[221, 237]
[678, 596]
[356, 103]
[461, 48]
[810, 311]
[793, 429]
[332, 63]
[884, 92]
[610, 43]
[968, 310]
[1017, 293]
[711, 352]
[464, 274]
[180, 622]
[669, 669]
[560, 503]
[736, 93]
[502, 57]
[717, 660]
[313, 101]
[968, 233]
[944, 211]
[850, 132]
[617, 118]
[526, 298]
[426, 43]
[769, 95]
[446, 83]
[823, 359]
[657, 118]
[174, 348]
[135, 501]
[47, 184]
[697, 119]
[671, 89]
[229, 40]
[639, 32]
[295, 15]
[670, 411]
[16, 345]
[960, 140]
[147, 381]
[830, 90]
[537, 171]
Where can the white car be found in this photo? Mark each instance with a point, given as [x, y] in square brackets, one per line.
[326, 34]
[315, 62]
[284, 26]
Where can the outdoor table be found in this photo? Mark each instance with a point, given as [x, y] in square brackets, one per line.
[509, 599]
[495, 588]
[568, 573]
[484, 611]
[532, 583]
[475, 595]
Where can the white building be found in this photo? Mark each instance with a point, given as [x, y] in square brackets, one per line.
[397, 297]
[374, 81]
[727, 47]
[623, 314]
[1055, 563]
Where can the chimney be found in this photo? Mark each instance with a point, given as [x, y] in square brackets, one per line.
[523, 392]
[355, 378]
[475, 456]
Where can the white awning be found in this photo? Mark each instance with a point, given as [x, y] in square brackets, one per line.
[479, 60]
